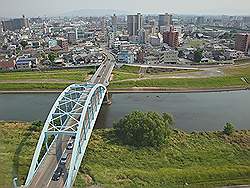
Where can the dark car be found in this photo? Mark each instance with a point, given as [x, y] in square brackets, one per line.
[57, 174]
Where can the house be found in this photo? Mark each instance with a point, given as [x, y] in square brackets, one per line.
[22, 65]
[169, 56]
[7, 64]
[126, 56]
[26, 62]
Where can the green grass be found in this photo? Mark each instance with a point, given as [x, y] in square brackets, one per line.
[189, 83]
[126, 72]
[118, 76]
[129, 69]
[16, 151]
[33, 86]
[199, 159]
[70, 75]
[232, 78]
[196, 43]
[240, 71]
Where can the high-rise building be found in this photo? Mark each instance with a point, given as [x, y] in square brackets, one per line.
[72, 37]
[63, 43]
[134, 24]
[200, 20]
[142, 36]
[114, 23]
[165, 20]
[171, 38]
[242, 42]
[1, 28]
[15, 24]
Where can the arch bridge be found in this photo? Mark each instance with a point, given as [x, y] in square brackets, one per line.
[66, 132]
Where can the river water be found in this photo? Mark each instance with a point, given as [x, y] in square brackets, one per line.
[192, 111]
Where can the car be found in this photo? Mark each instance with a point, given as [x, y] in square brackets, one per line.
[64, 159]
[57, 174]
[99, 76]
[70, 145]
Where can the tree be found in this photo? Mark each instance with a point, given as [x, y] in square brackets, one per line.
[228, 129]
[181, 54]
[144, 129]
[24, 43]
[52, 57]
[198, 55]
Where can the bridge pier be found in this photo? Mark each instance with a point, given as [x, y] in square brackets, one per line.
[107, 99]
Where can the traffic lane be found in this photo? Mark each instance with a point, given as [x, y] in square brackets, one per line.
[63, 177]
[46, 169]
[47, 166]
[100, 74]
[65, 167]
[104, 76]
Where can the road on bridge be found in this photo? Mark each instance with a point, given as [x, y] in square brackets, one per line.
[51, 161]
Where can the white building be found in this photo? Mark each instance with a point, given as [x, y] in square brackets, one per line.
[22, 65]
[26, 62]
[154, 41]
[169, 56]
[233, 54]
[126, 57]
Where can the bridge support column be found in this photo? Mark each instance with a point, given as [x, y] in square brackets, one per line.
[107, 98]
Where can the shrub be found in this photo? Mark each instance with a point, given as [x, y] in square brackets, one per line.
[144, 129]
[228, 129]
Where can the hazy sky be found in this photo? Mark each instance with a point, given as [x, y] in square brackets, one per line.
[53, 7]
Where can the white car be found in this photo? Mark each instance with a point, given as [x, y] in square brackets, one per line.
[70, 145]
[64, 159]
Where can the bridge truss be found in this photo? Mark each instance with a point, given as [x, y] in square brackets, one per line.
[73, 115]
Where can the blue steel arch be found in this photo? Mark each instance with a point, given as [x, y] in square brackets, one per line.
[76, 109]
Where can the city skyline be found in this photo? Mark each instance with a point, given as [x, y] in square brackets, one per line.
[14, 8]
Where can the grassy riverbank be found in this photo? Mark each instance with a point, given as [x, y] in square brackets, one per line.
[125, 78]
[198, 159]
[231, 79]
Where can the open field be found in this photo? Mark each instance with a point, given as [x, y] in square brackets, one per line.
[129, 69]
[183, 83]
[204, 159]
[16, 151]
[126, 78]
[196, 43]
[232, 78]
[64, 75]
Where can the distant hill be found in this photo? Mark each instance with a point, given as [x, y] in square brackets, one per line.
[93, 12]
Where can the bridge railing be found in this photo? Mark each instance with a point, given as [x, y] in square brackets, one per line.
[70, 110]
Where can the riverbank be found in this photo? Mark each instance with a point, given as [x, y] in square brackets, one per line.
[137, 90]
[198, 159]
[129, 79]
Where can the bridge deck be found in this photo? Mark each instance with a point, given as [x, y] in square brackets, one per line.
[51, 161]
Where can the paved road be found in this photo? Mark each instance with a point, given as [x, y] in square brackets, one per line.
[103, 73]
[45, 172]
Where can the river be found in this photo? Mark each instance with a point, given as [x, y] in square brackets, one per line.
[192, 111]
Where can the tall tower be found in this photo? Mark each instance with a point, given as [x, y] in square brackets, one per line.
[242, 42]
[165, 20]
[114, 23]
[134, 24]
